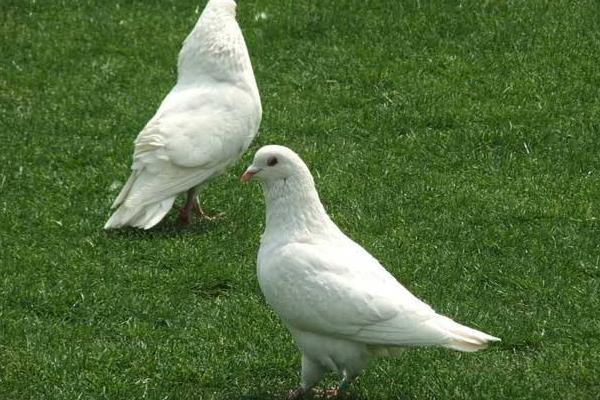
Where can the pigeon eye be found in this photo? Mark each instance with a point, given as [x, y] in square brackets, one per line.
[272, 161]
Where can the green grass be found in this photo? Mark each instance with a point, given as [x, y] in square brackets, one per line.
[457, 141]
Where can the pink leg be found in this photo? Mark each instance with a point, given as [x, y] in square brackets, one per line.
[192, 205]
[185, 213]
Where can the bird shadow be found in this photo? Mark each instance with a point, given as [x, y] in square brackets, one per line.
[522, 346]
[309, 396]
[165, 229]
[257, 396]
[212, 289]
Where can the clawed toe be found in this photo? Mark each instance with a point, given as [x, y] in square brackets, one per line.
[331, 393]
[203, 215]
[207, 217]
[296, 394]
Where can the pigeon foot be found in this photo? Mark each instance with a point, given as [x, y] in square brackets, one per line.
[330, 393]
[296, 394]
[203, 215]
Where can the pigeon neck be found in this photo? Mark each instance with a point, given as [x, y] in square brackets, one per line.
[225, 7]
[215, 50]
[294, 210]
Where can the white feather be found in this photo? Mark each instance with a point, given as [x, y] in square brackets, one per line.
[202, 127]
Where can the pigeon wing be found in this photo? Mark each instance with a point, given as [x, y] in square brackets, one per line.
[342, 291]
[189, 141]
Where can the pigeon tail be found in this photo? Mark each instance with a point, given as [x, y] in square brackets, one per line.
[125, 191]
[144, 216]
[463, 338]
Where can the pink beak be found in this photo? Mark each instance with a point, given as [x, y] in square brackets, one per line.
[249, 174]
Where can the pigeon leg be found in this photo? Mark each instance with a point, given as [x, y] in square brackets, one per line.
[185, 213]
[346, 381]
[193, 204]
[311, 374]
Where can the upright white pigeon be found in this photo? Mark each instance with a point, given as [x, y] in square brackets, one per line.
[340, 304]
[203, 126]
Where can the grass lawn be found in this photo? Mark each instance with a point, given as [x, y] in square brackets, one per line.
[457, 141]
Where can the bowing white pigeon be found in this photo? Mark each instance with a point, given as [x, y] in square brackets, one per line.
[203, 126]
[340, 304]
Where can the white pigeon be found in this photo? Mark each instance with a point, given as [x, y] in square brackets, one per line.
[340, 304]
[203, 126]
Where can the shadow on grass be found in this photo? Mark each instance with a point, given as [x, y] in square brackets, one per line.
[281, 396]
[522, 347]
[309, 396]
[257, 396]
[165, 229]
[212, 289]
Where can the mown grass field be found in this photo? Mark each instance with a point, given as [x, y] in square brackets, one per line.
[457, 141]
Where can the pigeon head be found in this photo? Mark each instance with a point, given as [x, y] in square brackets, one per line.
[293, 207]
[275, 163]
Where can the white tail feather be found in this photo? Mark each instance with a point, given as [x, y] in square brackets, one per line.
[125, 191]
[145, 216]
[463, 338]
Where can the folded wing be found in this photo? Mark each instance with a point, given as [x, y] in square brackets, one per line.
[187, 143]
[352, 296]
